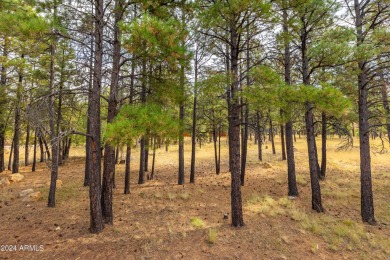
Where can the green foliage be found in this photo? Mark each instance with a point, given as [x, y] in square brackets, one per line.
[212, 108]
[134, 121]
[328, 51]
[263, 93]
[20, 19]
[156, 39]
[220, 11]
[270, 92]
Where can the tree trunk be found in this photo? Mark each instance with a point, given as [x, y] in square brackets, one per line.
[53, 133]
[147, 144]
[88, 151]
[117, 155]
[141, 178]
[219, 148]
[59, 110]
[271, 134]
[315, 185]
[181, 131]
[367, 201]
[2, 146]
[234, 115]
[46, 148]
[310, 136]
[153, 158]
[292, 183]
[96, 225]
[35, 151]
[3, 92]
[323, 148]
[193, 136]
[217, 169]
[109, 154]
[282, 139]
[127, 170]
[15, 164]
[385, 105]
[10, 156]
[42, 152]
[316, 154]
[259, 139]
[291, 177]
[69, 144]
[244, 143]
[228, 100]
[26, 152]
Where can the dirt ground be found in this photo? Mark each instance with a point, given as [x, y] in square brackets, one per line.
[162, 220]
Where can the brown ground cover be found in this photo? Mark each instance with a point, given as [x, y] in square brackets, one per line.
[161, 220]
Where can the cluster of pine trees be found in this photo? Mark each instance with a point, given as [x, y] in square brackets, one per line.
[118, 73]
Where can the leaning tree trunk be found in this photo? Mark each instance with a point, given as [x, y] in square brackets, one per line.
[316, 154]
[314, 180]
[10, 155]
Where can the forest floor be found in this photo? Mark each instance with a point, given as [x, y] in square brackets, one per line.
[162, 220]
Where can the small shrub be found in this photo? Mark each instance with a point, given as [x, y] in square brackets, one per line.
[185, 196]
[254, 198]
[301, 180]
[212, 238]
[171, 196]
[197, 222]
[158, 195]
